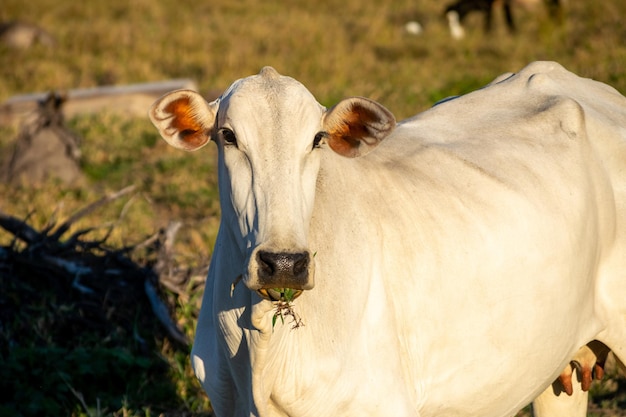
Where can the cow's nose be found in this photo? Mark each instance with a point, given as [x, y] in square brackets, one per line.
[283, 269]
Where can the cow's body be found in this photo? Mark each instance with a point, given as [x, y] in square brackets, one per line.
[458, 268]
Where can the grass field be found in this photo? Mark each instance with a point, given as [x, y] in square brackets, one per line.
[336, 48]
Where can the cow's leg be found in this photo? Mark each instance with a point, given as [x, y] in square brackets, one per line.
[488, 16]
[454, 22]
[508, 15]
[555, 10]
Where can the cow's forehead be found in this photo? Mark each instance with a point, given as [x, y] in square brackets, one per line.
[271, 90]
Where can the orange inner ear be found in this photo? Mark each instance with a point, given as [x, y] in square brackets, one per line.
[185, 123]
[346, 135]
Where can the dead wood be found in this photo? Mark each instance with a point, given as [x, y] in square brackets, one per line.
[104, 287]
[44, 147]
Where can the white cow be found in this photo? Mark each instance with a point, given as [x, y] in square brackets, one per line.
[454, 271]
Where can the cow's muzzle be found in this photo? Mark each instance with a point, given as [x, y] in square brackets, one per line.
[275, 274]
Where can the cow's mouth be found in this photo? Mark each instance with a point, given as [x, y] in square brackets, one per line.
[279, 294]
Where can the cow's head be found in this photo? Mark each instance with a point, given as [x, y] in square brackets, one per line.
[270, 132]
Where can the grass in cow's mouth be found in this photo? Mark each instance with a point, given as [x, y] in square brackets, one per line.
[284, 307]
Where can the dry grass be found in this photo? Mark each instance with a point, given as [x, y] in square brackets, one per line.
[337, 48]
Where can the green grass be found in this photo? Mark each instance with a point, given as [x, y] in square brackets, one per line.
[336, 48]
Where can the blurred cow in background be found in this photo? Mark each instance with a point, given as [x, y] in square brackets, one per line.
[23, 35]
[456, 12]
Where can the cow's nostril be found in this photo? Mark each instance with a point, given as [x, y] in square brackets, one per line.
[283, 269]
[266, 264]
[301, 265]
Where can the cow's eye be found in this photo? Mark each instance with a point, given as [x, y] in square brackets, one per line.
[318, 139]
[228, 136]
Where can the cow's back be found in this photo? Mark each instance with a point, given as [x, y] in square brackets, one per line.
[469, 223]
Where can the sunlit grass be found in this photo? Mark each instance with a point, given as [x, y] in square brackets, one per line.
[336, 48]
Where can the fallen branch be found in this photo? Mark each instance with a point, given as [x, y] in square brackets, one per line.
[89, 209]
[19, 229]
[105, 286]
[162, 313]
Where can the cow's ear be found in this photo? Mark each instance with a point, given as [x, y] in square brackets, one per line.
[184, 119]
[356, 125]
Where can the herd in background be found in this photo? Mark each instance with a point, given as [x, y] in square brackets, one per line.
[457, 12]
[21, 35]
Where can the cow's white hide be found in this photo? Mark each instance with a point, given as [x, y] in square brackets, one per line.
[454, 270]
